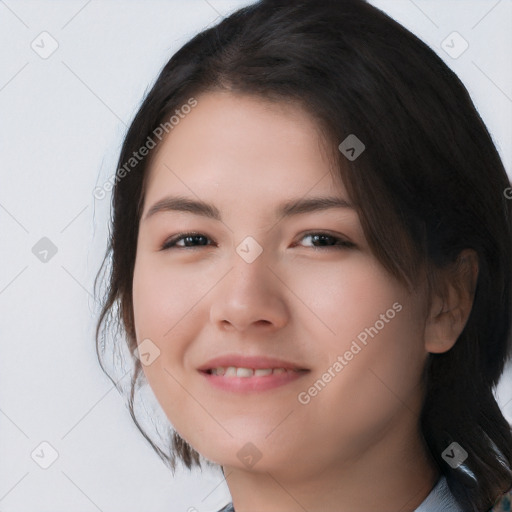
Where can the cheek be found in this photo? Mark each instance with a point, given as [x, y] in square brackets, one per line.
[162, 305]
[375, 326]
[163, 298]
[378, 383]
[345, 298]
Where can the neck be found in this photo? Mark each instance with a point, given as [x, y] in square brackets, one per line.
[396, 472]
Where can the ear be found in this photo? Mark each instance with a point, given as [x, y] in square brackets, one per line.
[449, 312]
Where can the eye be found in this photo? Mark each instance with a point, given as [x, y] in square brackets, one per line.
[189, 241]
[193, 240]
[327, 240]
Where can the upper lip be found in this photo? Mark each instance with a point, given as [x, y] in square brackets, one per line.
[255, 362]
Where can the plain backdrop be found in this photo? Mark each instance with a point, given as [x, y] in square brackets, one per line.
[62, 119]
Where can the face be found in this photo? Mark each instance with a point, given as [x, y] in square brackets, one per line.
[251, 285]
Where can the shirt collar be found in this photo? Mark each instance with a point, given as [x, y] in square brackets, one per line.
[440, 498]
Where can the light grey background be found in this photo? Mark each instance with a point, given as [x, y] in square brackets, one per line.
[62, 122]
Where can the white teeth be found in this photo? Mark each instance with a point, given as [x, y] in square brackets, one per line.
[244, 372]
[260, 372]
[233, 371]
[230, 371]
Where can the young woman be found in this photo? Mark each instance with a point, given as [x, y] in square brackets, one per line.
[311, 256]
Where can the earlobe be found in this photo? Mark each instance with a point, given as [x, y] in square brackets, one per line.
[450, 311]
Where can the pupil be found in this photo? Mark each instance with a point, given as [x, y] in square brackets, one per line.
[189, 239]
[321, 239]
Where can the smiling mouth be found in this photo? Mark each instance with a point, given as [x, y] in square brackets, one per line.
[233, 371]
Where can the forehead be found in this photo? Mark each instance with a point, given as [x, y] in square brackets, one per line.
[243, 145]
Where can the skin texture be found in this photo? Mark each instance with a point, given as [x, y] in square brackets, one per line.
[356, 445]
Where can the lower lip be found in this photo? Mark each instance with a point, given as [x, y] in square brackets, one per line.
[248, 384]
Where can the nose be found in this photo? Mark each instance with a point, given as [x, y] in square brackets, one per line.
[249, 296]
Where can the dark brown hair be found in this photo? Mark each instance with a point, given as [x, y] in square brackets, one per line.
[429, 184]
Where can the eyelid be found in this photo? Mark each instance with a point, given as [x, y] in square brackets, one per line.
[342, 239]
[180, 236]
[342, 242]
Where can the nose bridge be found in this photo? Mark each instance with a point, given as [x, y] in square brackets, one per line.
[249, 292]
[250, 264]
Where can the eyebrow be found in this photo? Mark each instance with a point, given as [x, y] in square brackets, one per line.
[286, 209]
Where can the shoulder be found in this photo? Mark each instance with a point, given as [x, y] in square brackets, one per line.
[227, 508]
[504, 504]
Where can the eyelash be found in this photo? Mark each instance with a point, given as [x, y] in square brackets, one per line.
[340, 243]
